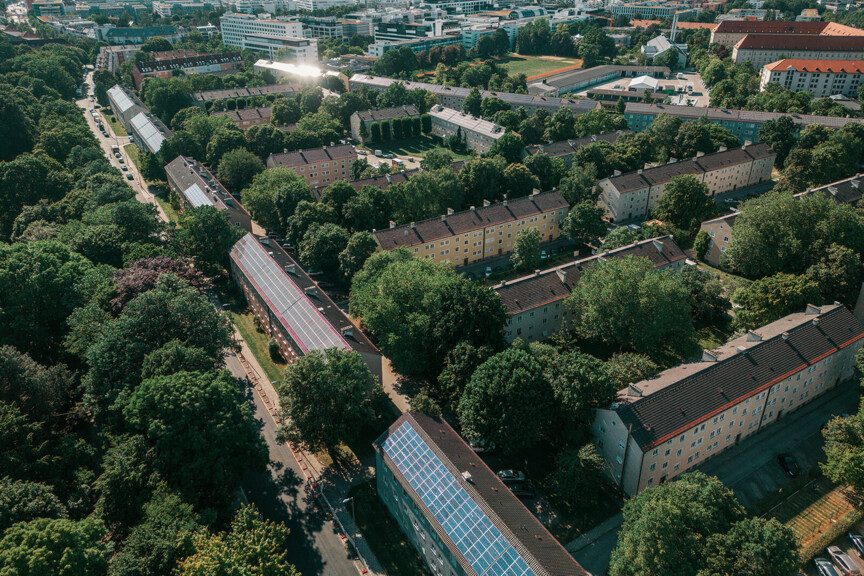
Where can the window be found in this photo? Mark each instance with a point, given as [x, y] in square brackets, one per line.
[654, 453]
[652, 468]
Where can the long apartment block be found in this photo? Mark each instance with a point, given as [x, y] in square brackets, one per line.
[635, 194]
[194, 186]
[661, 427]
[729, 32]
[472, 235]
[318, 166]
[535, 303]
[720, 230]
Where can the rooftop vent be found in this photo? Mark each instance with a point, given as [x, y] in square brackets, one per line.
[634, 390]
[708, 356]
[291, 269]
[785, 336]
[348, 331]
[449, 211]
[753, 336]
[812, 310]
[392, 224]
[562, 276]
[658, 245]
[742, 349]
[486, 203]
[311, 291]
[467, 476]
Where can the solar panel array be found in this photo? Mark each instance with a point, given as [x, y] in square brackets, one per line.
[476, 537]
[308, 327]
[196, 196]
[148, 132]
[120, 98]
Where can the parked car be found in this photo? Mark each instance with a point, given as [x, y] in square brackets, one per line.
[511, 476]
[361, 152]
[789, 465]
[825, 568]
[129, 176]
[857, 542]
[479, 446]
[730, 201]
[123, 167]
[117, 155]
[842, 561]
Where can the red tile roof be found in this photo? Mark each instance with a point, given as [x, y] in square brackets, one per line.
[769, 27]
[801, 42]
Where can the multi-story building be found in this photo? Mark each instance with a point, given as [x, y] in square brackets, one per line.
[287, 89]
[55, 8]
[660, 428]
[323, 4]
[291, 307]
[193, 185]
[743, 123]
[462, 519]
[321, 27]
[822, 78]
[535, 304]
[659, 47]
[318, 166]
[729, 32]
[654, 10]
[635, 194]
[762, 49]
[168, 8]
[477, 233]
[114, 35]
[478, 134]
[112, 57]
[454, 96]
[720, 230]
[565, 150]
[248, 117]
[365, 118]
[249, 32]
[198, 64]
[146, 129]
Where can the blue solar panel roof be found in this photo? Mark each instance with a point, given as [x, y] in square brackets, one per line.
[476, 537]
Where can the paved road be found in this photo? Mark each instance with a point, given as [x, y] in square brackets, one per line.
[281, 495]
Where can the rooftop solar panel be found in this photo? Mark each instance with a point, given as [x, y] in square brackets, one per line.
[120, 98]
[307, 326]
[148, 132]
[197, 197]
[477, 538]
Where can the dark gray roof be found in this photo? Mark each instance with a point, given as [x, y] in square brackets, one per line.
[848, 191]
[557, 283]
[198, 186]
[388, 113]
[188, 62]
[564, 148]
[730, 115]
[681, 397]
[543, 554]
[311, 155]
[227, 93]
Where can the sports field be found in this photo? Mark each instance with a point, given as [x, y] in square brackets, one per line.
[534, 65]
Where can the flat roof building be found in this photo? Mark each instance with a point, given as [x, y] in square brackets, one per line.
[148, 131]
[477, 134]
[456, 511]
[366, 118]
[535, 303]
[194, 186]
[664, 426]
[292, 308]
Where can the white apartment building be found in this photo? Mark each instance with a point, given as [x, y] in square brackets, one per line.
[479, 135]
[323, 4]
[664, 426]
[263, 34]
[822, 78]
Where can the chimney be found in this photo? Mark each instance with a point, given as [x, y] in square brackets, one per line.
[486, 203]
[855, 183]
[753, 336]
[634, 390]
[504, 202]
[742, 349]
[284, 150]
[412, 225]
[311, 291]
[699, 154]
[639, 171]
[467, 477]
[747, 143]
[392, 224]
[449, 211]
[672, 160]
[616, 173]
[708, 356]
[832, 190]
[562, 275]
[348, 331]
[536, 272]
[473, 208]
[812, 309]
[785, 336]
[658, 245]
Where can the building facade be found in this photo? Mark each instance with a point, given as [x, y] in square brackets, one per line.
[536, 304]
[248, 117]
[318, 166]
[743, 123]
[193, 186]
[266, 35]
[762, 49]
[270, 91]
[472, 235]
[565, 150]
[461, 518]
[822, 78]
[635, 194]
[477, 134]
[662, 427]
[147, 131]
[729, 32]
[198, 64]
[363, 119]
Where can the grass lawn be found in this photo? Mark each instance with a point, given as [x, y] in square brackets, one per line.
[711, 337]
[116, 127]
[533, 65]
[257, 341]
[417, 146]
[169, 210]
[396, 555]
[133, 154]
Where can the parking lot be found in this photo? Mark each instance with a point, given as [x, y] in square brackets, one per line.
[698, 96]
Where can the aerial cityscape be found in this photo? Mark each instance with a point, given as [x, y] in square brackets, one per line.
[431, 288]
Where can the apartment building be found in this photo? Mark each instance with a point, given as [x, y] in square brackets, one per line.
[471, 235]
[743, 123]
[653, 10]
[191, 64]
[266, 35]
[291, 307]
[720, 230]
[271, 90]
[318, 166]
[454, 96]
[662, 427]
[147, 130]
[247, 117]
[166, 9]
[822, 78]
[461, 518]
[193, 186]
[636, 194]
[112, 57]
[535, 303]
[417, 45]
[478, 134]
[365, 118]
[729, 32]
[762, 49]
[565, 150]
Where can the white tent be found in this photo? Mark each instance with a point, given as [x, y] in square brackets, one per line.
[642, 83]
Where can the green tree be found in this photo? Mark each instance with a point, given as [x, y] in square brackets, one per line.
[626, 303]
[238, 167]
[206, 234]
[526, 250]
[548, 171]
[510, 146]
[436, 159]
[459, 366]
[480, 179]
[507, 402]
[285, 111]
[425, 310]
[307, 216]
[321, 247]
[770, 298]
[753, 547]
[263, 140]
[473, 103]
[385, 131]
[701, 244]
[706, 296]
[580, 185]
[59, 547]
[310, 99]
[782, 135]
[273, 196]
[426, 122]
[627, 367]
[201, 420]
[685, 203]
[165, 97]
[579, 477]
[702, 136]
[360, 247]
[844, 448]
[665, 528]
[22, 501]
[328, 397]
[518, 181]
[224, 140]
[838, 274]
[584, 223]
[375, 132]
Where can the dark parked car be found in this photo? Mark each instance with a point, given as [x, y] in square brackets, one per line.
[789, 465]
[825, 568]
[129, 176]
[511, 476]
[857, 542]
